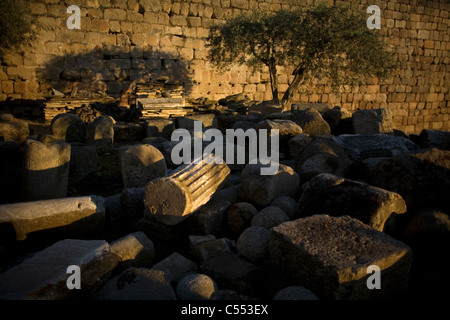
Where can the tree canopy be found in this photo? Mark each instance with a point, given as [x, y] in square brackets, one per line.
[321, 42]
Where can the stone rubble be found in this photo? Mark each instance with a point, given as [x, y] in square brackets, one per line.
[337, 205]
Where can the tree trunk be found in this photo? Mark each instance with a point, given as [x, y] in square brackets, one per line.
[298, 79]
[273, 80]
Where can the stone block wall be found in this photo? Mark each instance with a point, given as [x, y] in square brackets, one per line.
[122, 41]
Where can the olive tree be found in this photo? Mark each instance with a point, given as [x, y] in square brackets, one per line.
[321, 42]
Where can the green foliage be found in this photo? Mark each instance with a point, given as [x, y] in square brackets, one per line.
[320, 42]
[15, 23]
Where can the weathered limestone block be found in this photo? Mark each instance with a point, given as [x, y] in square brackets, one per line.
[311, 121]
[44, 276]
[322, 155]
[138, 284]
[12, 129]
[320, 107]
[336, 196]
[133, 250]
[372, 121]
[101, 132]
[172, 199]
[141, 163]
[159, 128]
[331, 256]
[46, 169]
[68, 127]
[421, 178]
[339, 119]
[261, 190]
[212, 248]
[72, 216]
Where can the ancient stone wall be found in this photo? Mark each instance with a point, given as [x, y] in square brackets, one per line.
[121, 41]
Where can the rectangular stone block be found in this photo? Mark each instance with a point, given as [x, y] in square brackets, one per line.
[68, 216]
[332, 256]
[45, 275]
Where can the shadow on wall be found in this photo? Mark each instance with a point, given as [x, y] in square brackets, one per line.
[112, 71]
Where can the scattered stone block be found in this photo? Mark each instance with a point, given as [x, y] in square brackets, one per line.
[361, 147]
[101, 132]
[84, 160]
[172, 199]
[138, 284]
[297, 143]
[209, 249]
[68, 127]
[322, 155]
[133, 250]
[196, 287]
[176, 267]
[69, 216]
[132, 200]
[240, 215]
[159, 128]
[286, 128]
[295, 293]
[320, 107]
[339, 119]
[44, 276]
[421, 178]
[331, 256]
[336, 196]
[372, 121]
[287, 204]
[128, 132]
[269, 217]
[187, 122]
[428, 226]
[261, 190]
[253, 243]
[433, 138]
[46, 169]
[311, 121]
[140, 164]
[12, 129]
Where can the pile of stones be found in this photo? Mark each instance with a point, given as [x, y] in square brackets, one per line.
[350, 193]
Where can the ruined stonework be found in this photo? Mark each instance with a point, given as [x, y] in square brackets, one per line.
[123, 42]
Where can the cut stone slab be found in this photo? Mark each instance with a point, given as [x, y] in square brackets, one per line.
[176, 267]
[372, 121]
[74, 216]
[44, 275]
[138, 284]
[172, 199]
[209, 249]
[187, 122]
[261, 190]
[336, 196]
[331, 255]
